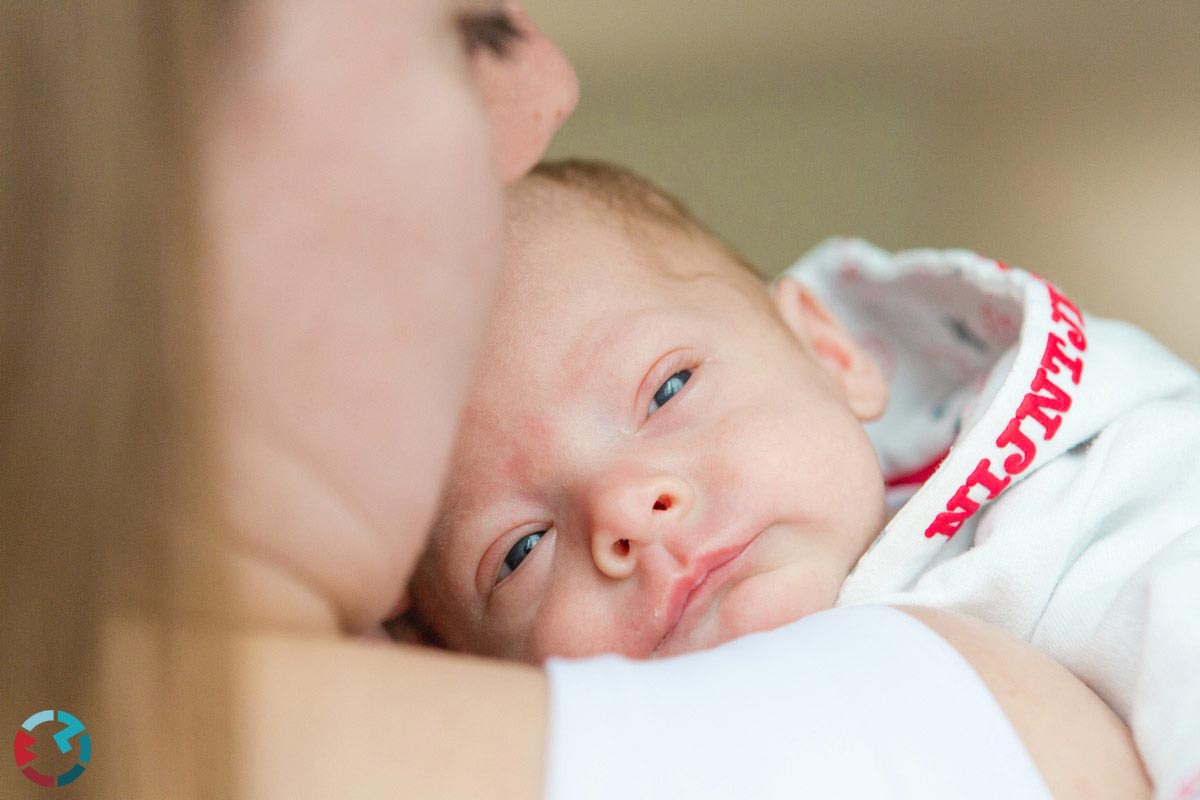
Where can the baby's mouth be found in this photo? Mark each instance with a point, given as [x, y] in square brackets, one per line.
[692, 593]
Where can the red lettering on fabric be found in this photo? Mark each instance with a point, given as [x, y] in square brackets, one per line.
[1035, 404]
[1056, 355]
[982, 475]
[947, 523]
[1063, 310]
[962, 505]
[1026, 449]
[1045, 403]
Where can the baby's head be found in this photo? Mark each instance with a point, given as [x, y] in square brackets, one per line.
[659, 453]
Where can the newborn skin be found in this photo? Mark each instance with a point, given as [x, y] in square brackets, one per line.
[657, 455]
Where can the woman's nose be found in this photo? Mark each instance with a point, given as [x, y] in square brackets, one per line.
[629, 515]
[528, 93]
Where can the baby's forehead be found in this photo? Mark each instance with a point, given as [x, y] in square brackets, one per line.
[548, 221]
[565, 241]
[575, 263]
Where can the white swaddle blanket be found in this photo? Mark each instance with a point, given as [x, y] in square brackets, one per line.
[842, 704]
[1045, 465]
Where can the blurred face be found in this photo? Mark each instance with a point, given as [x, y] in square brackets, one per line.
[528, 88]
[654, 458]
[354, 200]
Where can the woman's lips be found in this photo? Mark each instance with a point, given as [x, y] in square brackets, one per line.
[694, 589]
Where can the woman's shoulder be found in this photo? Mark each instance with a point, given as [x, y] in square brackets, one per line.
[1079, 745]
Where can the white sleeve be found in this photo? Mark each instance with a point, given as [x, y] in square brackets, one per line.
[852, 702]
[1125, 618]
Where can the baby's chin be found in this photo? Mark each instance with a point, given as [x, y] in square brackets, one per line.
[759, 603]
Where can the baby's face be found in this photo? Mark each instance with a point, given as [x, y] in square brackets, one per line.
[652, 460]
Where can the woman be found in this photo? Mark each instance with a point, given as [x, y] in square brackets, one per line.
[250, 257]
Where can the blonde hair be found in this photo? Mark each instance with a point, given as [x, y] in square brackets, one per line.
[102, 394]
[635, 199]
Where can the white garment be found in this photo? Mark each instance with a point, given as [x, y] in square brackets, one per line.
[1067, 509]
[849, 703]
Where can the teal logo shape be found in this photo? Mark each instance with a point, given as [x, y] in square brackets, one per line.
[73, 730]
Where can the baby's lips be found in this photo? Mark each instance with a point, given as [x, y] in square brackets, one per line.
[700, 585]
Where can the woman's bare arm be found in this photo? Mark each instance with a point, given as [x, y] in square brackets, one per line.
[322, 717]
[1078, 744]
[325, 717]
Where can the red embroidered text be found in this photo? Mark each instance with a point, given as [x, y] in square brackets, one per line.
[1037, 418]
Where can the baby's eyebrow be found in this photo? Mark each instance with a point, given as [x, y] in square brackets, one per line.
[446, 556]
[431, 576]
[587, 347]
[602, 338]
[602, 335]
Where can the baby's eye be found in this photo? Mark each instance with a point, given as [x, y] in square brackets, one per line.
[669, 389]
[517, 554]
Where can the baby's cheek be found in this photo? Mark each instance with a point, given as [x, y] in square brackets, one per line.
[591, 627]
[734, 452]
[767, 601]
[570, 630]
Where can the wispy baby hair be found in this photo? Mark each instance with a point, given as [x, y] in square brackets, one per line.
[632, 197]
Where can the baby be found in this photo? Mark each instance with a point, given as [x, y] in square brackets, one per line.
[658, 456]
[662, 453]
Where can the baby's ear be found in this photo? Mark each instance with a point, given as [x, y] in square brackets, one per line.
[822, 335]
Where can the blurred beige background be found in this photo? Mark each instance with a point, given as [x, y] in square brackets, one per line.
[1063, 137]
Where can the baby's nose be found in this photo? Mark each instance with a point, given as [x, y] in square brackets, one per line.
[630, 514]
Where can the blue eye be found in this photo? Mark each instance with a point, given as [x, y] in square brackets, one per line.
[517, 554]
[669, 389]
